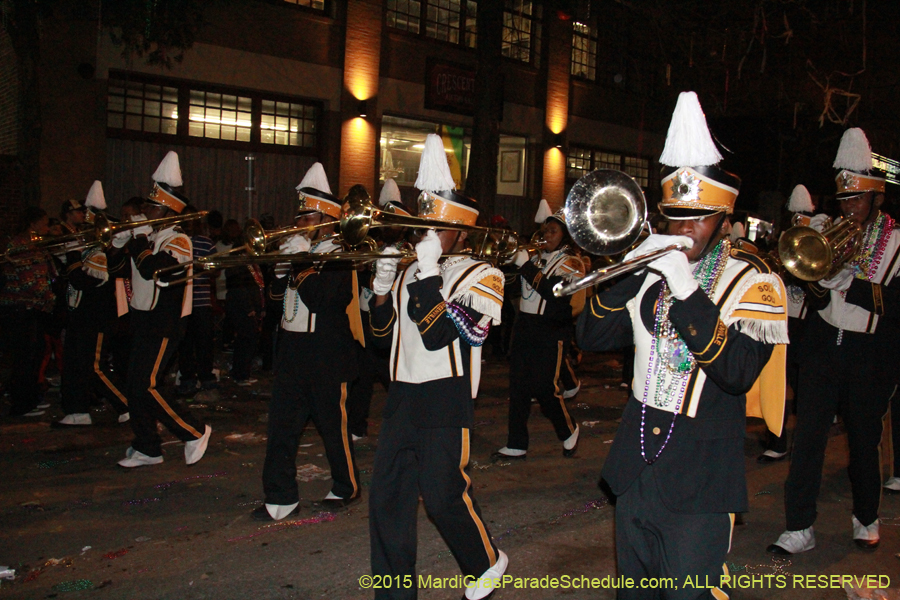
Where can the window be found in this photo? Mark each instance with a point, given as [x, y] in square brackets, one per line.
[220, 116]
[404, 15]
[147, 107]
[402, 142]
[454, 21]
[288, 124]
[521, 29]
[138, 106]
[584, 52]
[581, 161]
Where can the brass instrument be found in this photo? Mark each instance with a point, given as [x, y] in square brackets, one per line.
[100, 235]
[257, 240]
[359, 214]
[605, 213]
[810, 255]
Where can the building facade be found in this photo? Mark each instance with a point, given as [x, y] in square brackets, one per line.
[271, 86]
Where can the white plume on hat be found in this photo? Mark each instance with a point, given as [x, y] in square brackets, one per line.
[95, 198]
[737, 231]
[543, 212]
[800, 200]
[315, 178]
[854, 153]
[169, 170]
[389, 193]
[434, 170]
[688, 142]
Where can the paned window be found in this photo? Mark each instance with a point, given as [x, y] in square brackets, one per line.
[142, 106]
[521, 29]
[584, 52]
[444, 20]
[404, 14]
[288, 124]
[220, 116]
[138, 106]
[581, 161]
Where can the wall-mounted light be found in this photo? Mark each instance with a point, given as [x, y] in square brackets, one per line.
[558, 140]
[362, 108]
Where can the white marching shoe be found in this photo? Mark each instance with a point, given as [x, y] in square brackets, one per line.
[793, 542]
[489, 580]
[865, 536]
[134, 458]
[892, 485]
[195, 449]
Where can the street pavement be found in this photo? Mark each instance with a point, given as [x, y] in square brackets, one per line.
[75, 525]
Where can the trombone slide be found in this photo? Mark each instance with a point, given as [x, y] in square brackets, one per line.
[612, 271]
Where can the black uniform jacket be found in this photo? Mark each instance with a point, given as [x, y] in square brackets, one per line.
[330, 350]
[701, 469]
[872, 354]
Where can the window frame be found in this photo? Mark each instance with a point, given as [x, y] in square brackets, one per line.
[536, 33]
[593, 40]
[182, 137]
[652, 173]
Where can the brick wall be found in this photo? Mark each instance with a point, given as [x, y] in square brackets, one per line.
[9, 93]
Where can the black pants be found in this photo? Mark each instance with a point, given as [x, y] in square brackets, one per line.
[535, 373]
[862, 401]
[149, 353]
[298, 396]
[654, 542]
[195, 354]
[412, 462]
[23, 342]
[246, 337]
[373, 365]
[84, 368]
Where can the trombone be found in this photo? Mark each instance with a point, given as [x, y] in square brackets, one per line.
[359, 214]
[100, 235]
[605, 213]
[810, 255]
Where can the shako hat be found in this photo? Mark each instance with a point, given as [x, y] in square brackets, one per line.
[855, 173]
[314, 194]
[438, 200]
[166, 178]
[800, 200]
[692, 185]
[390, 200]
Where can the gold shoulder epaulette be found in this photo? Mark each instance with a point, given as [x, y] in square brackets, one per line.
[753, 259]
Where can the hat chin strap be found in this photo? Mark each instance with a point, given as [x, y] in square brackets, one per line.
[718, 226]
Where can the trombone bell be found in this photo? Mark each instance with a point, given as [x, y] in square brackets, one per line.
[811, 256]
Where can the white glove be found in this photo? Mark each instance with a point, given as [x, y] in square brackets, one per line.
[385, 271]
[521, 257]
[678, 273]
[658, 241]
[142, 230]
[817, 222]
[839, 282]
[294, 245]
[121, 239]
[428, 252]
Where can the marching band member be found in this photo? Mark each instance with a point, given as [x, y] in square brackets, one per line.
[848, 359]
[542, 338]
[709, 326]
[316, 360]
[92, 315]
[434, 316]
[156, 324]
